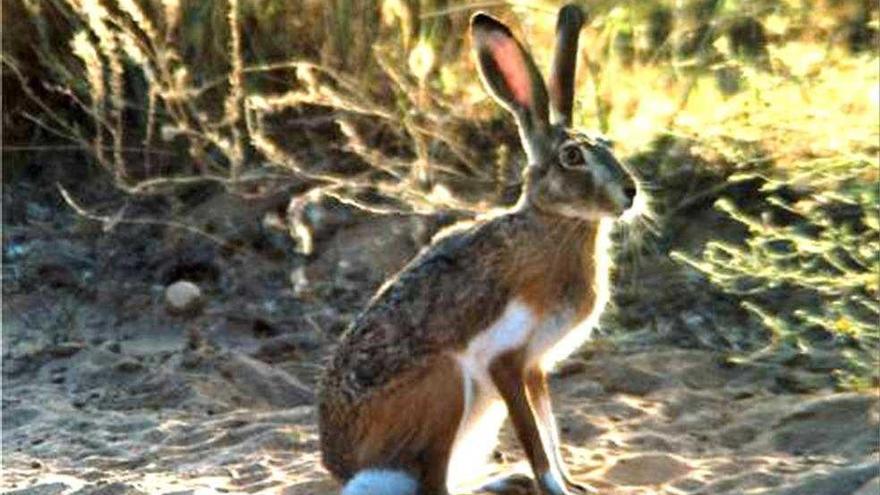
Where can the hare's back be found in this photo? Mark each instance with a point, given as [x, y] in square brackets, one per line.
[438, 303]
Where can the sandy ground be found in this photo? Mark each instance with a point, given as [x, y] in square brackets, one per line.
[106, 393]
[661, 422]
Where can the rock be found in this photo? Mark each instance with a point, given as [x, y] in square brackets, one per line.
[620, 410]
[625, 379]
[839, 482]
[114, 347]
[647, 469]
[741, 483]
[65, 349]
[736, 436]
[688, 485]
[116, 488]
[183, 297]
[870, 488]
[280, 348]
[838, 424]
[650, 441]
[43, 489]
[801, 383]
[587, 390]
[128, 365]
[581, 431]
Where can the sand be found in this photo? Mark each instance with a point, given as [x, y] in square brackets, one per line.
[665, 421]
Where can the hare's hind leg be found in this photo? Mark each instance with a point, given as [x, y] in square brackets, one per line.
[412, 424]
[484, 414]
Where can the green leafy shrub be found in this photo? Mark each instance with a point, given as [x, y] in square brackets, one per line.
[810, 266]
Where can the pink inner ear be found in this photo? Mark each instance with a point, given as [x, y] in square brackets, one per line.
[509, 59]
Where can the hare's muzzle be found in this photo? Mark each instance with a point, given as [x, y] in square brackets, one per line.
[630, 193]
[636, 204]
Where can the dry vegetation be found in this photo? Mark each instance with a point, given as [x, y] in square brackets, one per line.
[376, 104]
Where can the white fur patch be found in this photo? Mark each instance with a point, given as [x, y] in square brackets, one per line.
[381, 482]
[550, 332]
[547, 341]
[476, 438]
[510, 330]
[551, 483]
[484, 412]
[638, 208]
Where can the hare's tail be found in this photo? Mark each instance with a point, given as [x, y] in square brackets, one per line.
[381, 482]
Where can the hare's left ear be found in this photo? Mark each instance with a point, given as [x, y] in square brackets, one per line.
[562, 72]
[510, 75]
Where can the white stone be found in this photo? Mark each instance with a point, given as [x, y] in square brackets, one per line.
[183, 296]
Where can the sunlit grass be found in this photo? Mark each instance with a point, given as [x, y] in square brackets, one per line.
[817, 103]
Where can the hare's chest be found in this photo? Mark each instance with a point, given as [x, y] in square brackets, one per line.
[545, 336]
[557, 336]
[510, 331]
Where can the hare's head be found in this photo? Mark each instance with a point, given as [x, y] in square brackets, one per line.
[569, 173]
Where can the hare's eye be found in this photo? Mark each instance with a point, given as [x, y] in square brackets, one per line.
[572, 156]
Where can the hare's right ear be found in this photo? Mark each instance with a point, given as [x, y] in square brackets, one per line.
[562, 71]
[510, 74]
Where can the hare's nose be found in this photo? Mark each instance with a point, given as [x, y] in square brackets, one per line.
[630, 192]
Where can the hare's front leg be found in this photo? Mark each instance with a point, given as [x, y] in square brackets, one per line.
[539, 397]
[508, 375]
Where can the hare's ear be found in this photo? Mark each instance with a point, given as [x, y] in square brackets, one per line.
[562, 72]
[510, 74]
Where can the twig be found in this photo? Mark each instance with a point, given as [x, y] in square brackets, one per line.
[74, 147]
[706, 193]
[111, 221]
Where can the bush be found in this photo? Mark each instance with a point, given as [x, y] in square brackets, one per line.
[808, 268]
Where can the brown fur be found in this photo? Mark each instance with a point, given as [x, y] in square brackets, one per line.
[544, 259]
[393, 394]
[409, 425]
[558, 267]
[535, 380]
[397, 349]
[508, 375]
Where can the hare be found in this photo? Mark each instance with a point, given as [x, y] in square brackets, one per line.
[464, 335]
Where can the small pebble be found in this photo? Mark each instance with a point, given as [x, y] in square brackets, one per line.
[183, 297]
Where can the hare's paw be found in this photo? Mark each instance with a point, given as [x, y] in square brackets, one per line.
[579, 488]
[551, 485]
[511, 484]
